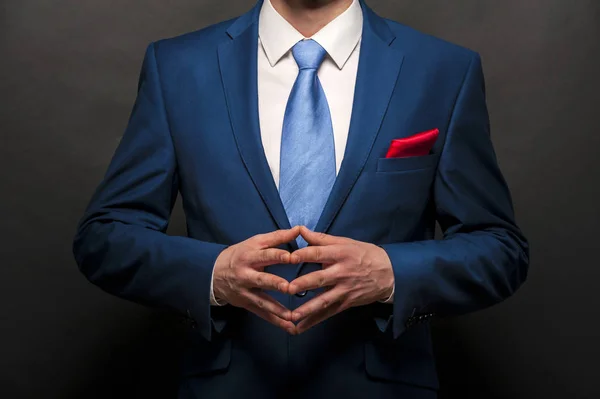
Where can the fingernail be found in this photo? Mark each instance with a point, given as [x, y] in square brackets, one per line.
[296, 316]
[282, 287]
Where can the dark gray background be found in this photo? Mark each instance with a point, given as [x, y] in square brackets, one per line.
[68, 75]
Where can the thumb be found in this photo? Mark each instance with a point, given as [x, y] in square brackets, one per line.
[314, 238]
[277, 237]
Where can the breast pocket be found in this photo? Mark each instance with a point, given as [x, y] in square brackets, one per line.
[406, 164]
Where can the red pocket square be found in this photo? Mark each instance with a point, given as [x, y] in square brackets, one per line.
[414, 146]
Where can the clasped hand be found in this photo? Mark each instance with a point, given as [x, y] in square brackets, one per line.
[354, 273]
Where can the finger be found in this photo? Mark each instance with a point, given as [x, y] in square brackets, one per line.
[321, 278]
[265, 281]
[276, 238]
[269, 304]
[271, 318]
[318, 304]
[319, 317]
[267, 257]
[315, 238]
[318, 254]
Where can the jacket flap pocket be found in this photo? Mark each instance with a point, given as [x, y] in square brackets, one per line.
[206, 357]
[406, 360]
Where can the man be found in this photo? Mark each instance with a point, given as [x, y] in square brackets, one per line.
[314, 144]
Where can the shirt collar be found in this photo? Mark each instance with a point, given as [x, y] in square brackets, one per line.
[338, 38]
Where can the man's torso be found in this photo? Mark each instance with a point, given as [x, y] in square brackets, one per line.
[407, 82]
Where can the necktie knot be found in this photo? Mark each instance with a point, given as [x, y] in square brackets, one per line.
[308, 54]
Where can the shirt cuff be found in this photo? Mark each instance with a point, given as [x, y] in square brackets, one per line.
[390, 298]
[213, 300]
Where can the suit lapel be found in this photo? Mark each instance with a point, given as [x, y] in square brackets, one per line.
[378, 70]
[238, 65]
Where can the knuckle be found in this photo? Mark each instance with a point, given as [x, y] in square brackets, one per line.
[341, 252]
[238, 293]
[259, 240]
[322, 281]
[282, 256]
[275, 255]
[236, 275]
[241, 276]
[259, 237]
[259, 256]
[243, 257]
[274, 283]
[351, 298]
[318, 253]
[259, 281]
[268, 253]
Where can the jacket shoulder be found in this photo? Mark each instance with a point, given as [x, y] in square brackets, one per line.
[201, 40]
[426, 45]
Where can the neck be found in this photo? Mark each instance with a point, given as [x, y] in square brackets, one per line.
[309, 16]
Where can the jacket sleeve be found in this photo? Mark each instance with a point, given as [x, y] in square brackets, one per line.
[120, 244]
[483, 257]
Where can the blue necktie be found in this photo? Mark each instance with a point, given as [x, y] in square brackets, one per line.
[307, 165]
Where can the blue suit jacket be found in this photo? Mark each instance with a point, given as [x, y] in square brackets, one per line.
[194, 129]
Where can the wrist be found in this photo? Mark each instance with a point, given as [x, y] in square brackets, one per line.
[217, 297]
[387, 295]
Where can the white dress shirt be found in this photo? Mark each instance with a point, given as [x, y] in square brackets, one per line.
[277, 72]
